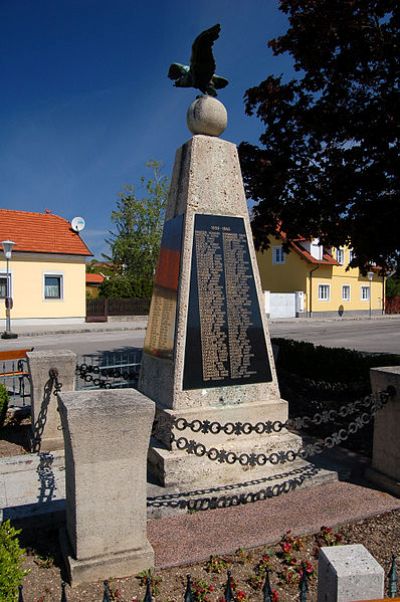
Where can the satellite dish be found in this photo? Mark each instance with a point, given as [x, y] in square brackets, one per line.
[77, 224]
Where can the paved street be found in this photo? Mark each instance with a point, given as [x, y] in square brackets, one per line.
[376, 335]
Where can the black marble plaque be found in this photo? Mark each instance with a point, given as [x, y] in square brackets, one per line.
[225, 342]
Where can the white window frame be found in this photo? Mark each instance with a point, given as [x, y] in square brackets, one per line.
[340, 255]
[347, 286]
[53, 275]
[3, 274]
[364, 288]
[320, 296]
[278, 255]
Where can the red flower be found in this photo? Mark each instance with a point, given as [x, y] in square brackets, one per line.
[275, 596]
[286, 547]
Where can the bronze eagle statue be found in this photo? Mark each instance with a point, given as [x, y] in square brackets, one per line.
[201, 72]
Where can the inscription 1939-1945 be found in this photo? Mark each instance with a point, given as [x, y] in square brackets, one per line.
[225, 342]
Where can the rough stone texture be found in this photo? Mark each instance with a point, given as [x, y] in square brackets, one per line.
[46, 432]
[385, 469]
[106, 436]
[207, 179]
[349, 573]
[207, 115]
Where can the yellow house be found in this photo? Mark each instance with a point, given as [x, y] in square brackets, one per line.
[47, 269]
[319, 280]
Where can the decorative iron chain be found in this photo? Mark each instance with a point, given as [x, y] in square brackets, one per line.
[268, 426]
[88, 374]
[57, 386]
[378, 401]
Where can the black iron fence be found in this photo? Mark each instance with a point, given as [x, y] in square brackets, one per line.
[230, 593]
[98, 310]
[109, 370]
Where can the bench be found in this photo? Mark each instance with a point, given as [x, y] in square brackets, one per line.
[10, 356]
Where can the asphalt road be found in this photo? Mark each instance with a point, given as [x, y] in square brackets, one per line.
[376, 335]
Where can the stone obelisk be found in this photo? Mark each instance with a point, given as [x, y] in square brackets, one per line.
[207, 352]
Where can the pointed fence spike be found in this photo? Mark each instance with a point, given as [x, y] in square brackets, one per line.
[63, 592]
[303, 586]
[107, 593]
[267, 591]
[392, 578]
[20, 594]
[228, 589]
[148, 595]
[188, 597]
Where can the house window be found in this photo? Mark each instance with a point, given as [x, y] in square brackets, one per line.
[365, 293]
[53, 286]
[278, 255]
[324, 292]
[346, 292]
[340, 256]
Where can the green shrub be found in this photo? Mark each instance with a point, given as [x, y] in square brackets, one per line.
[3, 403]
[11, 558]
[329, 364]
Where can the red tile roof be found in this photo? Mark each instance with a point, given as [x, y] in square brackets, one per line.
[40, 233]
[296, 245]
[94, 278]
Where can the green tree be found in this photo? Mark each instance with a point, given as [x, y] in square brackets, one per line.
[328, 164]
[136, 242]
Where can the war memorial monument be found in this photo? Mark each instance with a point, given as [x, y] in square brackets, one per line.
[207, 358]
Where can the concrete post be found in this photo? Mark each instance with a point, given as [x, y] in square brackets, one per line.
[385, 468]
[107, 435]
[349, 573]
[46, 427]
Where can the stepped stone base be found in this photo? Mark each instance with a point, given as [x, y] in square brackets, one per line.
[115, 565]
[253, 413]
[178, 468]
[279, 480]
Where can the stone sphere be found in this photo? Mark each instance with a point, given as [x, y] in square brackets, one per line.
[207, 115]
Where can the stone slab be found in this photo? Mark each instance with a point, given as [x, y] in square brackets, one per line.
[347, 573]
[32, 484]
[386, 445]
[222, 413]
[106, 436]
[115, 565]
[178, 468]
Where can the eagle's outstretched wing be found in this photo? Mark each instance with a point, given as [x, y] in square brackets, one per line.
[202, 63]
[176, 70]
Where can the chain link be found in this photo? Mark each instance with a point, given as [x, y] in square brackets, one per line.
[266, 427]
[57, 386]
[377, 402]
[88, 373]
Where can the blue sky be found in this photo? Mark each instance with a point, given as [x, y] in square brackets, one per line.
[85, 99]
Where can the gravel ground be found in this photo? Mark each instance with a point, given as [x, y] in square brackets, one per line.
[379, 534]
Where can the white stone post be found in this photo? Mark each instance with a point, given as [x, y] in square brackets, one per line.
[107, 435]
[46, 426]
[348, 573]
[385, 468]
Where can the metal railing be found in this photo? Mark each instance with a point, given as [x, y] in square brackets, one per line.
[110, 370]
[229, 591]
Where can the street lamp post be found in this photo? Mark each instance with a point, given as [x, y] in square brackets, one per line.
[370, 276]
[7, 248]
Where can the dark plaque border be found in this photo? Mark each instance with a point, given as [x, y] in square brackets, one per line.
[225, 341]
